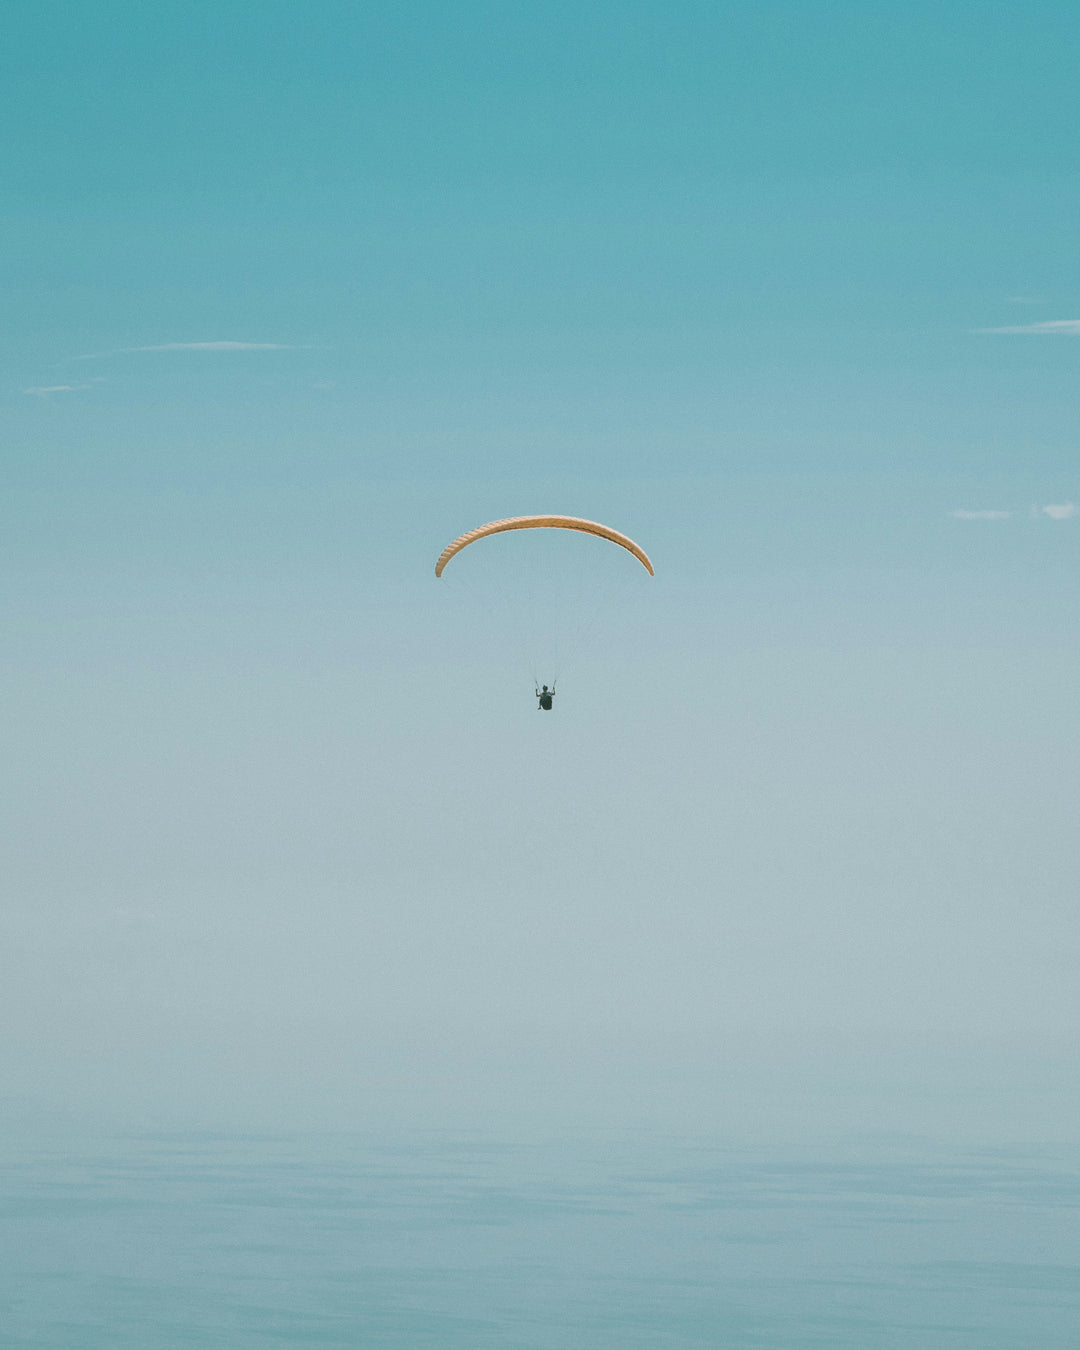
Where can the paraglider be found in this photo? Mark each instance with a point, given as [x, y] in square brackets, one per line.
[540, 578]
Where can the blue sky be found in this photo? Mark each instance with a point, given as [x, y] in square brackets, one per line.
[293, 294]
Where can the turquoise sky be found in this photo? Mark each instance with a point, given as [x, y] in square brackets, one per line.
[295, 293]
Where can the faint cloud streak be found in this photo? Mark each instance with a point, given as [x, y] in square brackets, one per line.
[55, 388]
[1060, 511]
[962, 513]
[1062, 327]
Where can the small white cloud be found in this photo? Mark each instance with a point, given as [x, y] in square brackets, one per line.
[199, 347]
[1062, 327]
[961, 513]
[1060, 511]
[323, 384]
[55, 388]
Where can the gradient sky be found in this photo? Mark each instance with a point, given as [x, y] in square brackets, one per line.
[293, 294]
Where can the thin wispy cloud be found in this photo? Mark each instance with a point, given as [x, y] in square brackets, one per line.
[1060, 327]
[1059, 511]
[962, 513]
[55, 388]
[199, 347]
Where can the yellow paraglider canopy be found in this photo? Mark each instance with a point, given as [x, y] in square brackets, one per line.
[543, 523]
